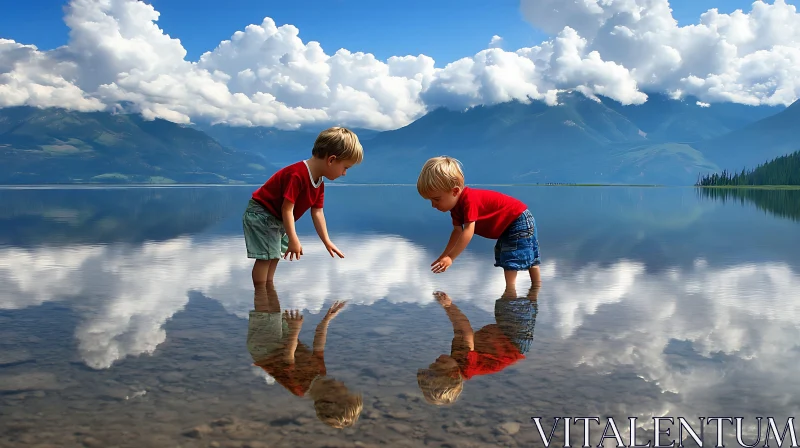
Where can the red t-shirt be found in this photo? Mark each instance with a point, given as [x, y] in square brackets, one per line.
[493, 352]
[292, 183]
[491, 211]
[295, 377]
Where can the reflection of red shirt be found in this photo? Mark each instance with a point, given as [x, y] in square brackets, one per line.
[491, 211]
[292, 183]
[296, 377]
[493, 352]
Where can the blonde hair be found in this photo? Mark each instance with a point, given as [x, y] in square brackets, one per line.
[340, 142]
[441, 173]
[439, 388]
[341, 413]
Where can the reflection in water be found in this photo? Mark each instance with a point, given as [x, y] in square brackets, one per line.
[273, 342]
[486, 351]
[91, 216]
[782, 203]
[641, 316]
[125, 294]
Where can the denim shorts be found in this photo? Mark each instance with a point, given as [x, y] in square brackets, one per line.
[517, 249]
[517, 319]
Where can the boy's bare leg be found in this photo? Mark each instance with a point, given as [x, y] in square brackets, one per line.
[273, 265]
[533, 293]
[511, 282]
[260, 269]
[510, 293]
[264, 271]
[536, 276]
[265, 299]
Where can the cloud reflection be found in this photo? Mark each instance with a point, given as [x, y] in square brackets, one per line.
[744, 314]
[126, 293]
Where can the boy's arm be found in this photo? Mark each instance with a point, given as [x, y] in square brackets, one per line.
[460, 240]
[461, 325]
[321, 333]
[463, 240]
[291, 345]
[295, 322]
[454, 236]
[287, 215]
[321, 336]
[318, 217]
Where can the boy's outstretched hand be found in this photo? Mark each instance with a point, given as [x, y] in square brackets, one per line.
[294, 318]
[441, 264]
[294, 250]
[332, 249]
[443, 299]
[333, 311]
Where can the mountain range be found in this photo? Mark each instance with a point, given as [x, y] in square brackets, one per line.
[44, 146]
[580, 140]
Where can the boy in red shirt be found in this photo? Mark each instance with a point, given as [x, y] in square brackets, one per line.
[486, 351]
[487, 213]
[273, 342]
[269, 220]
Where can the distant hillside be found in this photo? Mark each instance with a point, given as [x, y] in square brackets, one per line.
[279, 146]
[757, 142]
[685, 121]
[784, 170]
[580, 140]
[61, 146]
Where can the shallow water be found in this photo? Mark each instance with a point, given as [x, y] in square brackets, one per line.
[124, 317]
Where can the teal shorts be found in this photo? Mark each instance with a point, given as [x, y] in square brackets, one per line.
[264, 234]
[265, 334]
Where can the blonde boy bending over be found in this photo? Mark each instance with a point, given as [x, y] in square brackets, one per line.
[269, 220]
[486, 213]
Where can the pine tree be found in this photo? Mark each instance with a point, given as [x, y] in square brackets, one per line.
[784, 170]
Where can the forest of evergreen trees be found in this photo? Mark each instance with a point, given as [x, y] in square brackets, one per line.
[784, 170]
[782, 203]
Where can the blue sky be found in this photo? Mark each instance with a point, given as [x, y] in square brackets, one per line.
[443, 29]
[272, 78]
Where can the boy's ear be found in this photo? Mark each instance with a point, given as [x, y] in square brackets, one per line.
[456, 190]
[331, 159]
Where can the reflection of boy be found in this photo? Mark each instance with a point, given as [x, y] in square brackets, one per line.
[273, 342]
[489, 350]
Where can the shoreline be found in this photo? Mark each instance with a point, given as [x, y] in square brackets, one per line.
[751, 187]
[77, 186]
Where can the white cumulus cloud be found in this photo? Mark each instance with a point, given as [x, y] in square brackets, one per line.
[267, 75]
[749, 58]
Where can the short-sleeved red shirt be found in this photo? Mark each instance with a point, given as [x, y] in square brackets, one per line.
[491, 211]
[493, 352]
[298, 376]
[294, 184]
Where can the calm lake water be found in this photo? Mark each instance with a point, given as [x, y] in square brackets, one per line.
[124, 317]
